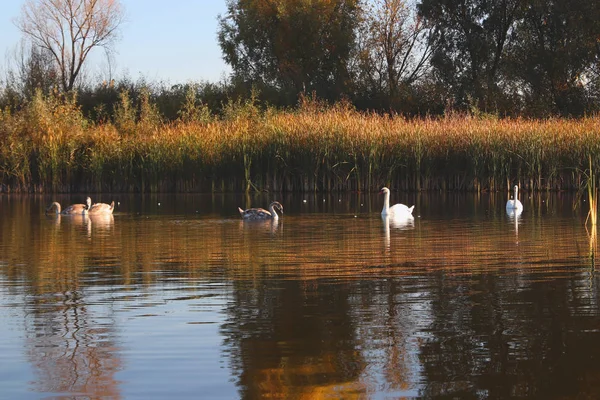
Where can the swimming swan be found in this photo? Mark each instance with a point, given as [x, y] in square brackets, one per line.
[100, 208]
[255, 214]
[514, 205]
[397, 210]
[74, 209]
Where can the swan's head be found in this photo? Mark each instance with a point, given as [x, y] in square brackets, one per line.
[277, 205]
[516, 188]
[53, 208]
[384, 190]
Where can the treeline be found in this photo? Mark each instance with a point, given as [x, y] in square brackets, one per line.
[533, 58]
[526, 58]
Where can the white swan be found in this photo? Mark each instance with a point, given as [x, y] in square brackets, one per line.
[256, 214]
[100, 208]
[73, 209]
[514, 206]
[397, 210]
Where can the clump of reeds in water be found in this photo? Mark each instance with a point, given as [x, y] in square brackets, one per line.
[315, 147]
[592, 191]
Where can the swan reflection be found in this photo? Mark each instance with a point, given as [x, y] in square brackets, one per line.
[268, 226]
[102, 221]
[514, 216]
[514, 213]
[80, 220]
[400, 223]
[85, 222]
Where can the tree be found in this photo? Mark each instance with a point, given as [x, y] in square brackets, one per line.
[295, 45]
[394, 45]
[556, 55]
[474, 35]
[31, 70]
[69, 30]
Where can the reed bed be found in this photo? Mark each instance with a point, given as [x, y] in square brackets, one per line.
[49, 146]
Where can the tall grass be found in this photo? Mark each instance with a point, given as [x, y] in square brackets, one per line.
[49, 146]
[592, 192]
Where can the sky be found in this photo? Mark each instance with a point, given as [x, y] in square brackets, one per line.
[160, 41]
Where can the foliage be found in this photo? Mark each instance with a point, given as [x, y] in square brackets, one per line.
[473, 37]
[555, 55]
[191, 110]
[34, 70]
[296, 46]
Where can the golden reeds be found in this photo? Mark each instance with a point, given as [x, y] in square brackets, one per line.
[50, 146]
[592, 192]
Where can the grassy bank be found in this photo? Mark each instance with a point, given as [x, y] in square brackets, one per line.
[49, 146]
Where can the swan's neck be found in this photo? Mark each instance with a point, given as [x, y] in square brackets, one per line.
[386, 202]
[516, 192]
[273, 213]
[56, 207]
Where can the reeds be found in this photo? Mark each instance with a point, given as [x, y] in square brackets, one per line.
[592, 192]
[49, 146]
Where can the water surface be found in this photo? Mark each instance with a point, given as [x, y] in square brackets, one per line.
[174, 296]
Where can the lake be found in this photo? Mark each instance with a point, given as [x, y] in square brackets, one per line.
[175, 297]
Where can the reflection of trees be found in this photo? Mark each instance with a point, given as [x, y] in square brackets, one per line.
[72, 351]
[286, 341]
[499, 337]
[388, 336]
[319, 308]
[70, 341]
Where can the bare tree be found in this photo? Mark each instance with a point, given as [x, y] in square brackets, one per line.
[34, 70]
[70, 29]
[394, 45]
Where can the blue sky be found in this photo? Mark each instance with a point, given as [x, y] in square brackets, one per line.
[171, 41]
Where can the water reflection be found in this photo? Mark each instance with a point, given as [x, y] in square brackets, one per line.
[72, 345]
[514, 215]
[101, 224]
[398, 222]
[258, 226]
[317, 304]
[293, 339]
[79, 220]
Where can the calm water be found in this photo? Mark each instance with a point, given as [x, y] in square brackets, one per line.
[175, 297]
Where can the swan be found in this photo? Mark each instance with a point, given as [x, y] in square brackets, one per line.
[73, 209]
[514, 205]
[255, 214]
[397, 210]
[100, 208]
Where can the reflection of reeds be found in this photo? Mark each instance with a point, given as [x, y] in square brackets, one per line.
[593, 248]
[592, 191]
